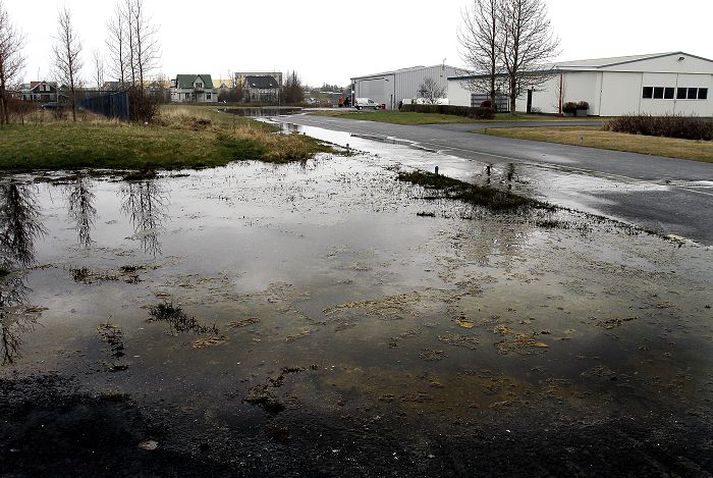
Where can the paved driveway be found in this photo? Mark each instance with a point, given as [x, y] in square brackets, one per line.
[673, 196]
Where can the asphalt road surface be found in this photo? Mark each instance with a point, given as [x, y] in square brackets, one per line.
[672, 196]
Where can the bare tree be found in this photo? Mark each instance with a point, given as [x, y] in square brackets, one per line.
[526, 43]
[431, 91]
[11, 59]
[146, 46]
[98, 64]
[116, 42]
[478, 39]
[67, 50]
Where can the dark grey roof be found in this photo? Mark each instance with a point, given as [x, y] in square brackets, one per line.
[185, 82]
[261, 82]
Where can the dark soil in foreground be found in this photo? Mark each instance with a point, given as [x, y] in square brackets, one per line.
[50, 430]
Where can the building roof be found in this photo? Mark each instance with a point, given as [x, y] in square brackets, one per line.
[185, 82]
[261, 82]
[593, 64]
[406, 70]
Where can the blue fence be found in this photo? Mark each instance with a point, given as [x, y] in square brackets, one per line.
[111, 105]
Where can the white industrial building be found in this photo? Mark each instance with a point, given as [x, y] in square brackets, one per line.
[392, 87]
[657, 84]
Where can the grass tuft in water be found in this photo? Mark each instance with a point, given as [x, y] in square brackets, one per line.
[178, 320]
[484, 196]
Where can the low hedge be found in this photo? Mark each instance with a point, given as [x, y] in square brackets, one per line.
[684, 127]
[466, 111]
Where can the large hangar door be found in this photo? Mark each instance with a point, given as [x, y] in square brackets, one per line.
[374, 89]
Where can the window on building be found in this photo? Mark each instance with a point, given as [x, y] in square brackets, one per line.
[208, 96]
[668, 93]
[188, 96]
[692, 93]
[682, 93]
[658, 93]
[702, 93]
[199, 85]
[648, 92]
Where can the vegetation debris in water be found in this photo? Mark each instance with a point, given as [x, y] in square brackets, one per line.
[178, 320]
[485, 196]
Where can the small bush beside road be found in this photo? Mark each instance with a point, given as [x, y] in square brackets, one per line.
[683, 127]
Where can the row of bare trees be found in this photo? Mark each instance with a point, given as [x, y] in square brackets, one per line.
[507, 43]
[132, 42]
[11, 59]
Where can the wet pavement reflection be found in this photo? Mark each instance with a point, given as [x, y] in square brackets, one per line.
[307, 308]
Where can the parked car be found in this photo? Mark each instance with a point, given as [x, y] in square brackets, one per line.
[361, 103]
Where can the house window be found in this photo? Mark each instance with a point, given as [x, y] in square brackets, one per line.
[188, 96]
[682, 92]
[668, 93]
[702, 93]
[199, 85]
[208, 96]
[692, 93]
[658, 93]
[648, 92]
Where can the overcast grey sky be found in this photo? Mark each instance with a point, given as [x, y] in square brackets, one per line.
[328, 41]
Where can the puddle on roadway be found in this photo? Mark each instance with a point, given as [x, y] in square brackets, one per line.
[584, 191]
[326, 270]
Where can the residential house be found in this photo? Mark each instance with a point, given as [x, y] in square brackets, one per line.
[261, 89]
[41, 92]
[193, 89]
[259, 86]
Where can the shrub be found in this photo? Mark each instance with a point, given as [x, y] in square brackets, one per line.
[466, 111]
[582, 105]
[684, 127]
[486, 104]
[569, 107]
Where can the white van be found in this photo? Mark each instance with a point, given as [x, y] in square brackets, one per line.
[361, 103]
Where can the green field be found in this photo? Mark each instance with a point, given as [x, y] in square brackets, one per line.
[411, 118]
[180, 138]
[595, 137]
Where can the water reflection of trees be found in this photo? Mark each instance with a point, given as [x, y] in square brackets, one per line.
[19, 227]
[81, 209]
[146, 204]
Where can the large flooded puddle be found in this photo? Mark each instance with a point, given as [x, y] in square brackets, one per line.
[324, 318]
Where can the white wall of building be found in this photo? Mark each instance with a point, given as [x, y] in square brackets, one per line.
[458, 93]
[618, 89]
[392, 87]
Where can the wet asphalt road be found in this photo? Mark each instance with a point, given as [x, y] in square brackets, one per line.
[679, 201]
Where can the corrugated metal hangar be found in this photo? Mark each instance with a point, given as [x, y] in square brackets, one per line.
[391, 87]
[656, 84]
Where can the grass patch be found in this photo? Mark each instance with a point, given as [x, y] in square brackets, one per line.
[181, 138]
[396, 117]
[411, 118]
[484, 196]
[595, 137]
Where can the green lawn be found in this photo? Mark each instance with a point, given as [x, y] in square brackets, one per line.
[411, 118]
[180, 138]
[596, 137]
[396, 117]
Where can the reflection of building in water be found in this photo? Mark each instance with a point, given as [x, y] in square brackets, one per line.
[81, 209]
[146, 204]
[19, 227]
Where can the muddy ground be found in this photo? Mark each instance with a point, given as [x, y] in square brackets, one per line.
[325, 319]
